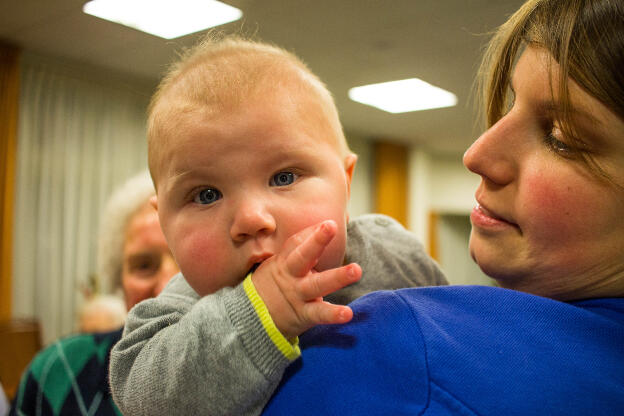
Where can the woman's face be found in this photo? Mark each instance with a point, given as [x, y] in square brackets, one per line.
[544, 223]
[147, 261]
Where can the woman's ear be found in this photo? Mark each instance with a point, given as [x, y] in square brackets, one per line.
[349, 165]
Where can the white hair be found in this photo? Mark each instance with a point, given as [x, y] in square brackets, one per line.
[121, 206]
[102, 313]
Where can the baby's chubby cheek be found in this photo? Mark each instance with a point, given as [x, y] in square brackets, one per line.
[200, 259]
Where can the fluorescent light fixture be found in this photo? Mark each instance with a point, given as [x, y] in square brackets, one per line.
[411, 94]
[165, 18]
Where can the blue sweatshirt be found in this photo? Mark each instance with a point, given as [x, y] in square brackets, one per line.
[461, 350]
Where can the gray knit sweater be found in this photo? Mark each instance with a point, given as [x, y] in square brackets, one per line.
[185, 355]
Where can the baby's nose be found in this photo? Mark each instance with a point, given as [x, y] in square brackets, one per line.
[252, 217]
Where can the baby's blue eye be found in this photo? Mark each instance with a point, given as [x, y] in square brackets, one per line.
[283, 179]
[207, 196]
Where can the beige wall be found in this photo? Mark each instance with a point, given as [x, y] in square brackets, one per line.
[439, 184]
[361, 194]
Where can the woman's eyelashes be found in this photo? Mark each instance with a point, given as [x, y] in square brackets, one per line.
[557, 145]
[284, 178]
[510, 100]
[207, 196]
[557, 141]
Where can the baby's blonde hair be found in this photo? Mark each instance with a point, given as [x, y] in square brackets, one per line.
[220, 74]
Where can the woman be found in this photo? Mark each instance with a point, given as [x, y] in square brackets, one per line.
[70, 377]
[549, 227]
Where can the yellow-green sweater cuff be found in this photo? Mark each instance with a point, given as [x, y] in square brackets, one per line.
[290, 350]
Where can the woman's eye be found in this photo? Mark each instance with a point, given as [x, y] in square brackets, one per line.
[207, 196]
[557, 145]
[511, 101]
[283, 179]
[509, 96]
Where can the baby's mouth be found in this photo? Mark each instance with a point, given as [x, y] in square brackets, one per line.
[257, 260]
[253, 268]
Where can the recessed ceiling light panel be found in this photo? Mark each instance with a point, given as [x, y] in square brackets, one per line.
[165, 18]
[403, 96]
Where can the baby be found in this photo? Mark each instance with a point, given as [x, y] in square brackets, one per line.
[252, 174]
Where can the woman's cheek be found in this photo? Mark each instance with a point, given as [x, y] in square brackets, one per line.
[555, 209]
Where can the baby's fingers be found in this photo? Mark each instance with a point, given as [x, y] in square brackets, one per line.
[324, 313]
[317, 285]
[306, 254]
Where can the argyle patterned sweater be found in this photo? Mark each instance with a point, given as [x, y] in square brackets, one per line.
[70, 377]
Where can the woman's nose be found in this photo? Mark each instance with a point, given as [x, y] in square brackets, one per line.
[492, 155]
[251, 218]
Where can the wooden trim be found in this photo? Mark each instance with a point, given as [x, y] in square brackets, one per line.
[433, 229]
[9, 96]
[21, 340]
[391, 180]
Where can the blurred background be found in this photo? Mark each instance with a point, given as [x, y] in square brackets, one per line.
[74, 91]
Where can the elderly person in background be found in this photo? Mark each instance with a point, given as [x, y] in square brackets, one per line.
[70, 377]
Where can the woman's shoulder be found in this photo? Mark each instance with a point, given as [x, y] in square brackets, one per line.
[450, 349]
[484, 300]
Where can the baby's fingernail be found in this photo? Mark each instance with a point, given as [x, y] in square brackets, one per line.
[325, 228]
[345, 315]
[353, 269]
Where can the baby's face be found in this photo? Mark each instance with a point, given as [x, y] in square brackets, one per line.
[235, 186]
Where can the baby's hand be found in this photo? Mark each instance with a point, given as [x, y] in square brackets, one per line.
[293, 292]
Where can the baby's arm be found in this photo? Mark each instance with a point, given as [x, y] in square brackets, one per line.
[182, 354]
[293, 291]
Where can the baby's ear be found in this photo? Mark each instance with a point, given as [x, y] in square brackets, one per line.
[153, 201]
[349, 165]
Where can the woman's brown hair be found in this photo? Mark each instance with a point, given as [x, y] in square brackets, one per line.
[586, 39]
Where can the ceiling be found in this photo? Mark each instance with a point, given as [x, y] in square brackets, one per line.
[346, 42]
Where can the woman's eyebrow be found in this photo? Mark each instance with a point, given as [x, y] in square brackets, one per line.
[588, 128]
[553, 106]
[574, 111]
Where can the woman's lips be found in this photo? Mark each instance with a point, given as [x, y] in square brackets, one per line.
[482, 217]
